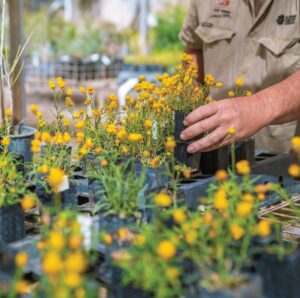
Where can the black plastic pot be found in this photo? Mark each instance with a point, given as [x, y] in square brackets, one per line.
[20, 141]
[182, 156]
[12, 226]
[215, 160]
[154, 178]
[281, 278]
[96, 190]
[250, 289]
[118, 290]
[245, 150]
[69, 197]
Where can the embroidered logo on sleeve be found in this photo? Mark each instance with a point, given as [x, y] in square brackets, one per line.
[286, 20]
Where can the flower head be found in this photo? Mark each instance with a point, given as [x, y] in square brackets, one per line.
[163, 200]
[56, 178]
[166, 250]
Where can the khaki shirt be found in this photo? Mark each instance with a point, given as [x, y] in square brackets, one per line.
[264, 49]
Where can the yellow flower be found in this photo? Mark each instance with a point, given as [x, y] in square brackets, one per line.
[163, 200]
[72, 280]
[239, 81]
[45, 137]
[96, 112]
[56, 178]
[88, 101]
[28, 202]
[75, 241]
[69, 102]
[179, 216]
[51, 85]
[135, 137]
[21, 259]
[56, 240]
[186, 58]
[294, 170]
[172, 273]
[122, 134]
[231, 131]
[219, 84]
[248, 93]
[66, 137]
[104, 163]
[69, 92]
[231, 93]
[90, 90]
[8, 112]
[82, 90]
[75, 262]
[146, 153]
[264, 228]
[208, 218]
[5, 141]
[190, 237]
[236, 231]
[166, 250]
[243, 209]
[220, 201]
[249, 198]
[107, 239]
[243, 167]
[154, 162]
[221, 175]
[111, 129]
[44, 169]
[296, 144]
[209, 80]
[36, 143]
[79, 137]
[170, 143]
[147, 124]
[79, 124]
[34, 109]
[22, 287]
[52, 263]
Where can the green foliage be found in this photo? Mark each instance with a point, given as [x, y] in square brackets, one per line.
[167, 30]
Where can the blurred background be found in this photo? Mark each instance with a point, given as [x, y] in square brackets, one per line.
[106, 44]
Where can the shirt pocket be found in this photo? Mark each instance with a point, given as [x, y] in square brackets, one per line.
[281, 56]
[212, 35]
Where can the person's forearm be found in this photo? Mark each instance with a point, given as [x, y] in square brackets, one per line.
[280, 103]
[198, 60]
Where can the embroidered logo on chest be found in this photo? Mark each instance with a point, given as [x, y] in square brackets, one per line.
[286, 20]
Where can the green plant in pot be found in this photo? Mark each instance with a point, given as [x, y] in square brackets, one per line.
[13, 188]
[122, 202]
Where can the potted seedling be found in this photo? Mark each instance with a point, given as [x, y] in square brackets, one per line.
[13, 189]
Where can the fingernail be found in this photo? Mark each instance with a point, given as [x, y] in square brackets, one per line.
[185, 123]
[190, 149]
[182, 136]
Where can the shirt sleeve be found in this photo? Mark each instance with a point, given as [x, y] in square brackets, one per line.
[187, 35]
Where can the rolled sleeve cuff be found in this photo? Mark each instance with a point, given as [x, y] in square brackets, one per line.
[190, 39]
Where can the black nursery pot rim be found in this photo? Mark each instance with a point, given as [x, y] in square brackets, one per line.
[25, 132]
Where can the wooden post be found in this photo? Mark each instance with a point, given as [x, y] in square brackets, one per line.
[16, 42]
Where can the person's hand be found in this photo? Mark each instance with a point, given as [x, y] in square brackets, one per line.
[244, 114]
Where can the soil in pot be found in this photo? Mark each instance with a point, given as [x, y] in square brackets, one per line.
[12, 226]
[20, 141]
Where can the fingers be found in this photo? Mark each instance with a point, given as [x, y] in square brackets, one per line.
[200, 114]
[199, 128]
[212, 140]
